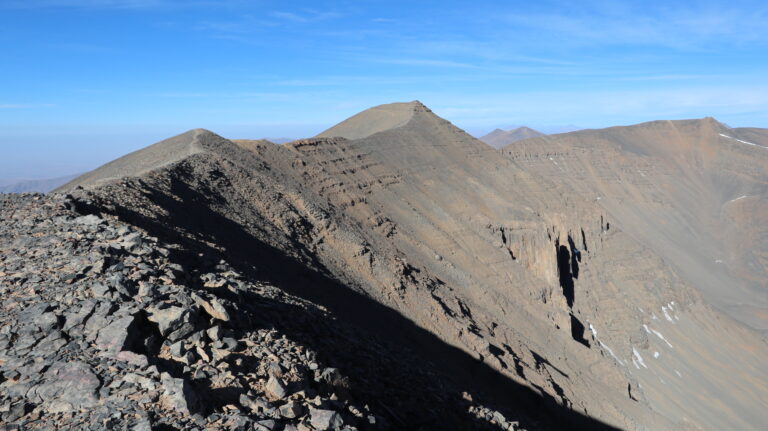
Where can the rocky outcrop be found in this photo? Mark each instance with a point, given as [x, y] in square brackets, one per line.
[104, 327]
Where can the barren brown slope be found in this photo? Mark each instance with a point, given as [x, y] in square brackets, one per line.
[517, 286]
[501, 138]
[694, 191]
[147, 159]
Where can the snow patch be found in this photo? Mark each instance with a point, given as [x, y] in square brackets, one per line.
[658, 334]
[594, 334]
[666, 314]
[743, 142]
[610, 352]
[637, 359]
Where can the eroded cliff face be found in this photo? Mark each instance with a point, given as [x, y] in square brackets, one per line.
[552, 300]
[694, 191]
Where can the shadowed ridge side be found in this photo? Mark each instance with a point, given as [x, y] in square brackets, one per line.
[375, 120]
[157, 155]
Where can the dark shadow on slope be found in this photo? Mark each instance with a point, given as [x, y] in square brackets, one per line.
[191, 212]
[577, 331]
[575, 258]
[564, 273]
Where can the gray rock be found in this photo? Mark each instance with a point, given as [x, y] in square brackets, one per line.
[112, 339]
[75, 318]
[179, 394]
[291, 410]
[88, 220]
[16, 412]
[142, 424]
[264, 425]
[131, 241]
[173, 322]
[324, 419]
[47, 321]
[69, 386]
[177, 349]
[275, 388]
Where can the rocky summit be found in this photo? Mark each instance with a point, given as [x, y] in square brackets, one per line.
[394, 272]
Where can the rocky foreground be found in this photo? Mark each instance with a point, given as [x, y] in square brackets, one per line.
[102, 327]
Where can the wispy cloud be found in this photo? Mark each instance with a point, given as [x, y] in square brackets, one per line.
[426, 62]
[682, 27]
[304, 16]
[244, 27]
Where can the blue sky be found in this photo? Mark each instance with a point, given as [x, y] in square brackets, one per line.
[85, 81]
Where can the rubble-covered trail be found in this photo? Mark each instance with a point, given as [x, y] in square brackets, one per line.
[101, 327]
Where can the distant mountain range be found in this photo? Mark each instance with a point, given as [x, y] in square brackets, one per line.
[501, 138]
[41, 186]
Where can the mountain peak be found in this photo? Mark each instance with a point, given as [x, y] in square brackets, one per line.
[375, 120]
[157, 155]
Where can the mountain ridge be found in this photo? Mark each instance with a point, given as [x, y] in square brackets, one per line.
[510, 264]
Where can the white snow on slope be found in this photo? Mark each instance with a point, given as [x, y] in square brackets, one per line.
[666, 315]
[743, 142]
[638, 359]
[594, 334]
[658, 334]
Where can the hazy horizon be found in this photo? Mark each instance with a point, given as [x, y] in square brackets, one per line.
[86, 81]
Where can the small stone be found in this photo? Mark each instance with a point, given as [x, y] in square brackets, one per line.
[214, 333]
[291, 410]
[275, 388]
[88, 220]
[324, 419]
[213, 307]
[114, 337]
[142, 424]
[179, 394]
[173, 322]
[131, 241]
[264, 425]
[177, 349]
